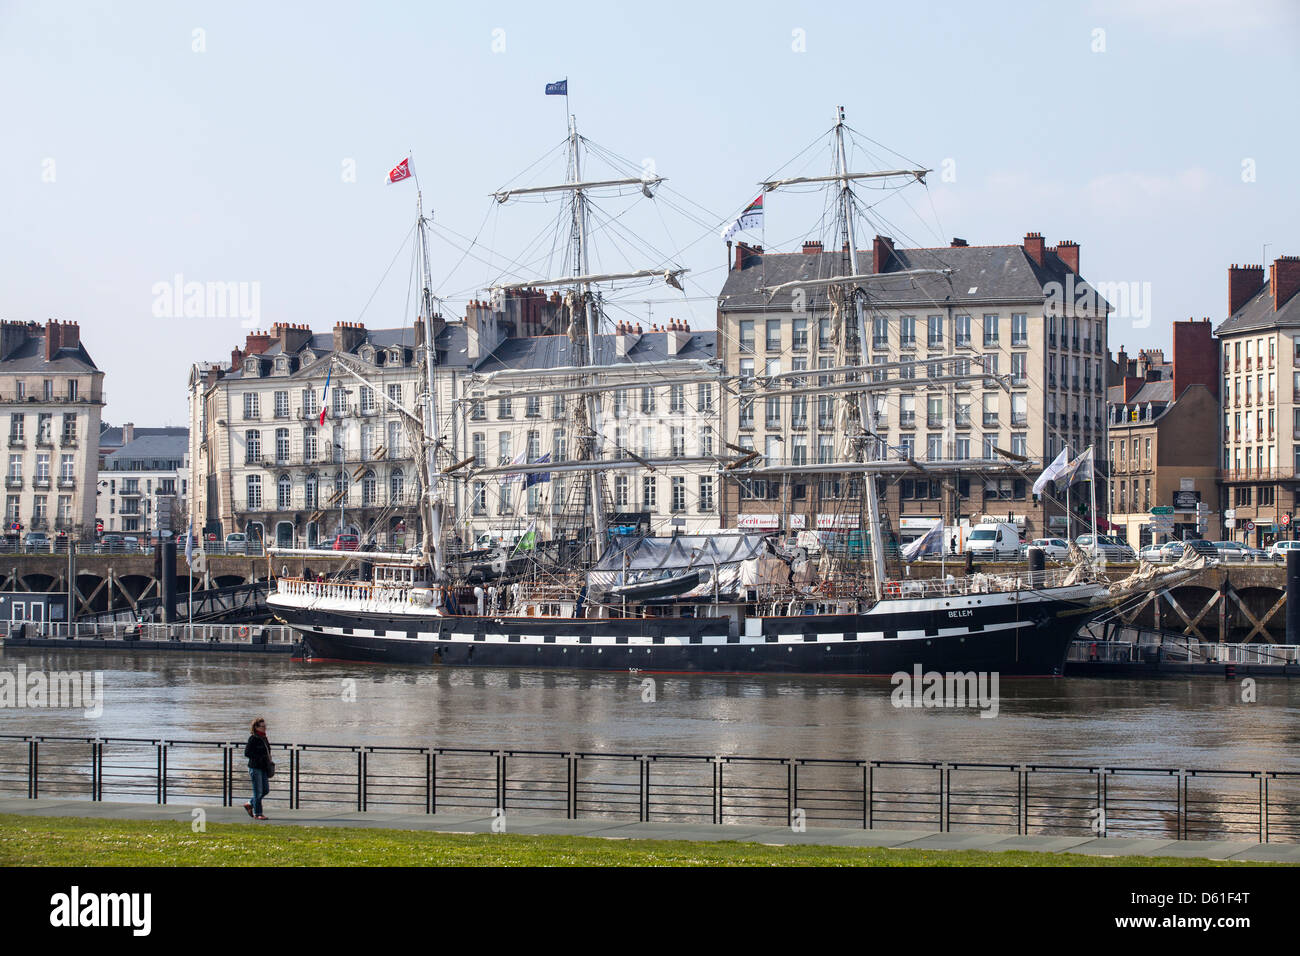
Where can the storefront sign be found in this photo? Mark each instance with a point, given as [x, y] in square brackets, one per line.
[758, 522]
[832, 522]
[796, 522]
[1186, 500]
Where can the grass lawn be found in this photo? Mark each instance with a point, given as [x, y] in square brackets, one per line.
[80, 841]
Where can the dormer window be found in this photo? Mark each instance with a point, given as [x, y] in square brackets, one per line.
[279, 365]
[394, 357]
[251, 366]
[306, 358]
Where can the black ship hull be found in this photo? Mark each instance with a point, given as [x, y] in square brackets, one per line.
[1012, 639]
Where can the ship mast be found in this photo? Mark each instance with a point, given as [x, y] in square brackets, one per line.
[582, 272]
[866, 404]
[432, 503]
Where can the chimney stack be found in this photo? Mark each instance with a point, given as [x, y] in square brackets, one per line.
[813, 247]
[882, 253]
[128, 433]
[1285, 280]
[348, 335]
[255, 343]
[746, 254]
[1068, 253]
[1243, 283]
[959, 243]
[1035, 247]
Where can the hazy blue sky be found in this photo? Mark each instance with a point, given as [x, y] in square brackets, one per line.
[229, 162]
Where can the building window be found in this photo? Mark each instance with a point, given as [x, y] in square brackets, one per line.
[773, 337]
[990, 330]
[620, 491]
[367, 400]
[648, 397]
[369, 489]
[504, 409]
[254, 488]
[252, 447]
[747, 335]
[282, 445]
[799, 335]
[533, 406]
[251, 406]
[1019, 328]
[649, 496]
[395, 486]
[961, 330]
[677, 399]
[706, 493]
[283, 493]
[907, 332]
[309, 496]
[679, 493]
[281, 404]
[478, 444]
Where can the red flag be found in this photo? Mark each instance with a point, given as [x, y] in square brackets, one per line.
[401, 171]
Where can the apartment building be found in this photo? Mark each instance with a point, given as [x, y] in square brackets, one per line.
[1164, 436]
[660, 400]
[52, 393]
[1260, 354]
[1021, 311]
[266, 463]
[144, 484]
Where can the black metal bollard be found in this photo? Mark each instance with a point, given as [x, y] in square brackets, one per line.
[1293, 597]
[167, 553]
[1037, 559]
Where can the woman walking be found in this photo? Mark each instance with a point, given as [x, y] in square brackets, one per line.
[260, 767]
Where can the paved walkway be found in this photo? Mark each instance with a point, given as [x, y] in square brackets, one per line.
[617, 830]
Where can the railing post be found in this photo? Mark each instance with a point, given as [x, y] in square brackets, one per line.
[1182, 805]
[295, 777]
[717, 790]
[96, 770]
[361, 780]
[791, 789]
[1263, 798]
[162, 772]
[868, 794]
[501, 780]
[944, 782]
[428, 781]
[1101, 800]
[644, 781]
[433, 781]
[32, 787]
[570, 787]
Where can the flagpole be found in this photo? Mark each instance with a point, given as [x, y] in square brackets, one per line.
[1092, 489]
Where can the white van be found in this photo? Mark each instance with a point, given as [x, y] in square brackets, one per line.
[499, 538]
[993, 540]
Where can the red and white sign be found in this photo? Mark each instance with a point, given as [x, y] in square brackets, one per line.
[796, 522]
[401, 171]
[1286, 520]
[1250, 526]
[833, 522]
[758, 522]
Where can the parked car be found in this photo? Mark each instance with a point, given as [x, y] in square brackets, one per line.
[1230, 550]
[1202, 547]
[1054, 549]
[1280, 548]
[345, 542]
[1153, 554]
[111, 543]
[236, 543]
[36, 541]
[1107, 546]
[1256, 554]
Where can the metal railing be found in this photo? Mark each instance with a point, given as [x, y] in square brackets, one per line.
[1174, 648]
[1024, 798]
[201, 633]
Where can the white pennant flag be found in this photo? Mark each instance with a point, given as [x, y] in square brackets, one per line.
[1052, 471]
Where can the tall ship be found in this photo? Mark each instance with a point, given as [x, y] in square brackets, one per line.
[604, 594]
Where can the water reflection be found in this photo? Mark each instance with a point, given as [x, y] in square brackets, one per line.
[1197, 722]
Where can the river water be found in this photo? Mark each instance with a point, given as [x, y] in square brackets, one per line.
[1200, 723]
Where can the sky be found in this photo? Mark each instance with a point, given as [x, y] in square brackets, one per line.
[249, 143]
